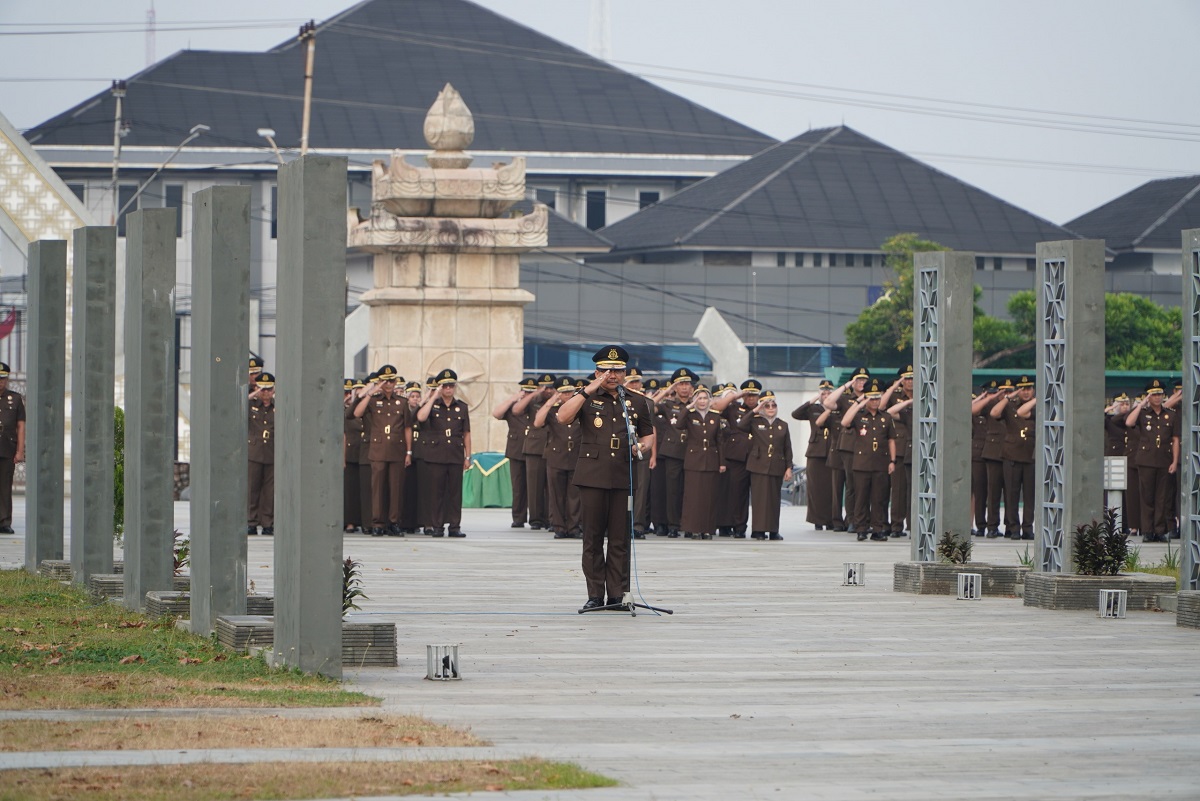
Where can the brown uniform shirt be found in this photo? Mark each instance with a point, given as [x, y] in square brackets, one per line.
[770, 444]
[444, 432]
[735, 443]
[672, 441]
[1155, 432]
[260, 440]
[604, 441]
[535, 438]
[562, 445]
[870, 434]
[1019, 435]
[12, 411]
[818, 436]
[388, 417]
[518, 428]
[352, 428]
[703, 446]
[1116, 435]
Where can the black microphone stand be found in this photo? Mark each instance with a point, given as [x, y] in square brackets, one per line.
[627, 603]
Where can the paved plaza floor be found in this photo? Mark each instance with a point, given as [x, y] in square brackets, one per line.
[771, 680]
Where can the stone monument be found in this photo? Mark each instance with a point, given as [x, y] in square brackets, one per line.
[447, 266]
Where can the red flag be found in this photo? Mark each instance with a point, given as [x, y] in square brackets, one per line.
[8, 324]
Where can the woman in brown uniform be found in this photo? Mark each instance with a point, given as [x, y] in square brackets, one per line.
[769, 464]
[816, 467]
[390, 448]
[702, 465]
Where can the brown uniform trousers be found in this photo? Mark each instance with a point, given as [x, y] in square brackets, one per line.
[845, 447]
[602, 476]
[562, 452]
[534, 449]
[260, 447]
[671, 447]
[837, 470]
[769, 458]
[979, 426]
[1018, 472]
[870, 434]
[352, 429]
[389, 417]
[641, 467]
[1153, 458]
[901, 477]
[514, 451]
[12, 412]
[734, 510]
[818, 475]
[702, 462]
[993, 463]
[444, 451]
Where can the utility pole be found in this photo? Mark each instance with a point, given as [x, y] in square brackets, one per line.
[119, 130]
[308, 34]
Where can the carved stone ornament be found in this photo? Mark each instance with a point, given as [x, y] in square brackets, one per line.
[449, 130]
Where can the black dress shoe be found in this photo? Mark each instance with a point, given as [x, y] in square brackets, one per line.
[350, 530]
[674, 535]
[268, 531]
[737, 535]
[817, 526]
[394, 530]
[852, 529]
[517, 524]
[1026, 535]
[7, 530]
[457, 533]
[438, 532]
[561, 535]
[639, 535]
[427, 531]
[378, 531]
[839, 527]
[758, 535]
[251, 531]
[862, 536]
[775, 535]
[704, 536]
[992, 533]
[616, 605]
[592, 603]
[879, 537]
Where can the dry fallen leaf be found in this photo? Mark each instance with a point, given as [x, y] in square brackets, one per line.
[133, 624]
[56, 660]
[495, 788]
[131, 659]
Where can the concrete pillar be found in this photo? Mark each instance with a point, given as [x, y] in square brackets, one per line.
[308, 423]
[1069, 477]
[943, 309]
[149, 403]
[1189, 482]
[93, 343]
[45, 401]
[220, 344]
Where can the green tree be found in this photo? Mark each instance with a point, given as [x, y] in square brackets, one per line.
[882, 334]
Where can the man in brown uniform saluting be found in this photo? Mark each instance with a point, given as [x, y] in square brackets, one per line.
[12, 445]
[873, 433]
[260, 447]
[390, 449]
[514, 447]
[1156, 457]
[603, 473]
[447, 453]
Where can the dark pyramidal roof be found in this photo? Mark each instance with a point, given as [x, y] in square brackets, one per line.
[1150, 217]
[379, 66]
[831, 189]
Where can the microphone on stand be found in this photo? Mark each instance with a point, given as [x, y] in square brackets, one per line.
[629, 423]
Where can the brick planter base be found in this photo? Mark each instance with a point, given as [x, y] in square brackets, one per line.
[363, 644]
[1071, 591]
[941, 578]
[179, 604]
[112, 585]
[1188, 610]
[60, 569]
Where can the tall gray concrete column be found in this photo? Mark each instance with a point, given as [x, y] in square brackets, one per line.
[308, 422]
[1189, 482]
[45, 401]
[149, 403]
[93, 369]
[220, 346]
[943, 308]
[1069, 454]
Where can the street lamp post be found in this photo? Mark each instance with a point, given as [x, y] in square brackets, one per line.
[269, 135]
[192, 134]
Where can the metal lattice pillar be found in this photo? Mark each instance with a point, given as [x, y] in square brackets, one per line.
[1189, 509]
[944, 293]
[308, 422]
[1070, 374]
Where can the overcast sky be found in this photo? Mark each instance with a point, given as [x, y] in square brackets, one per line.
[1057, 106]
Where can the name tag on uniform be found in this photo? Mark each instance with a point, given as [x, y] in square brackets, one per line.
[597, 404]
